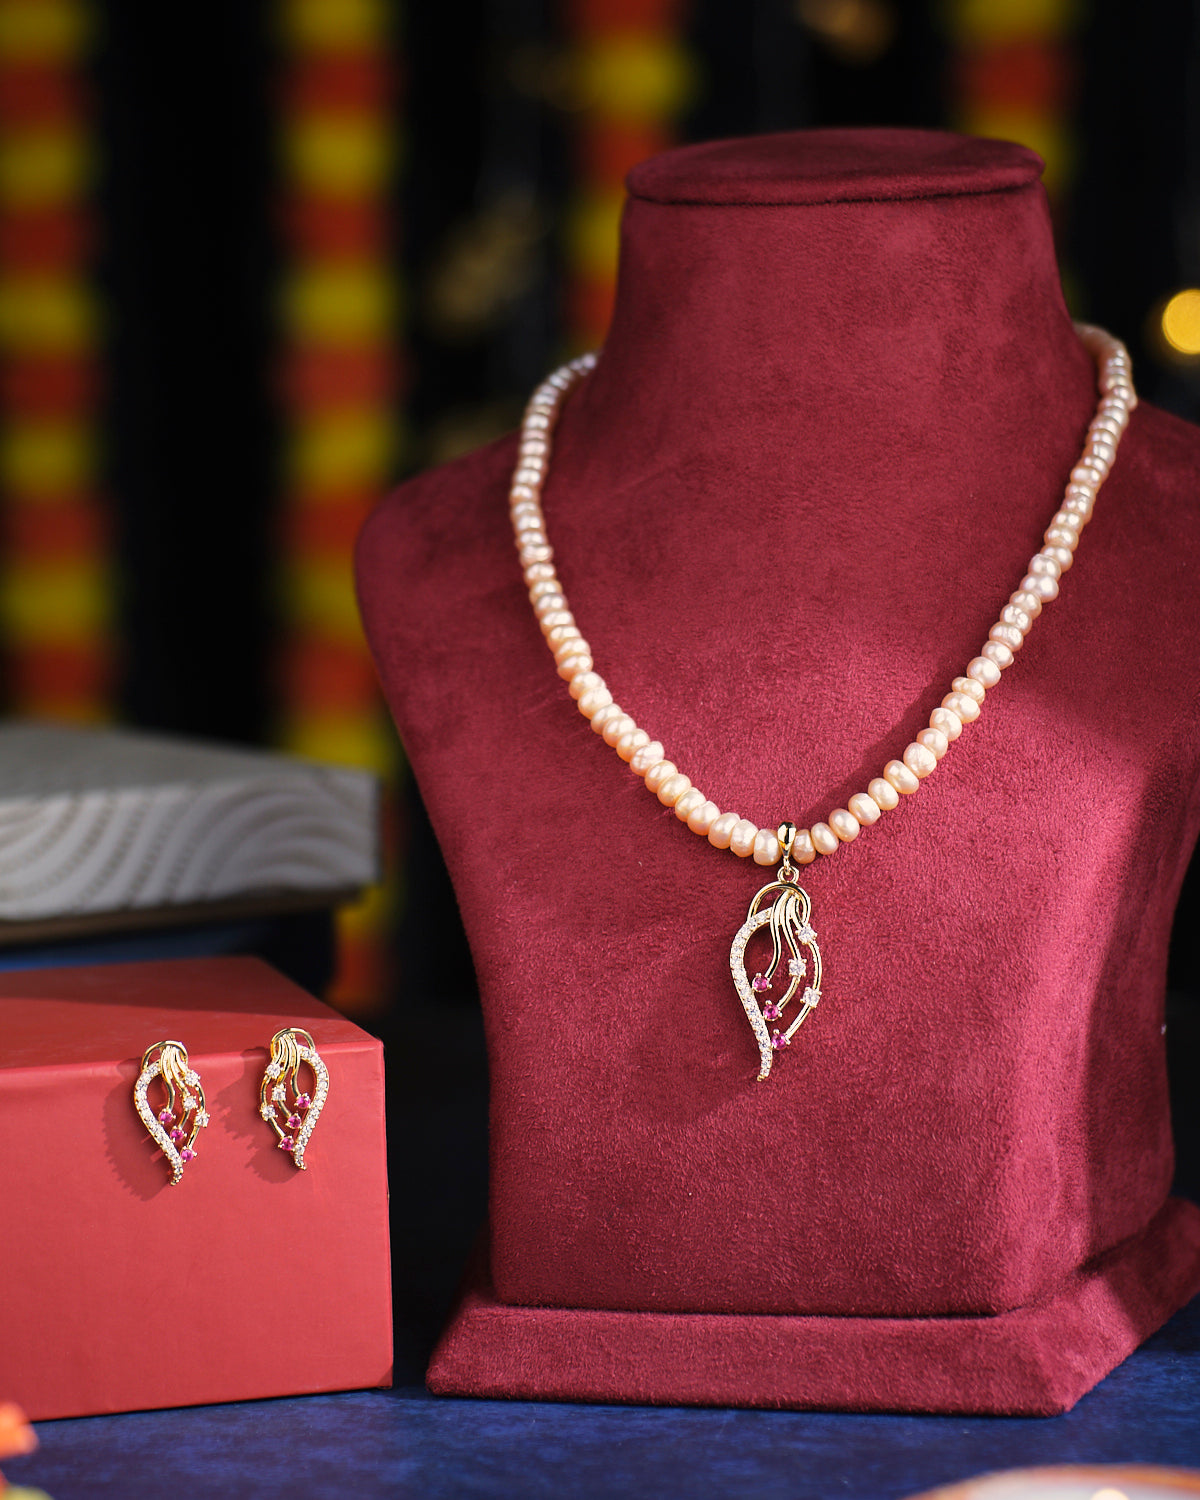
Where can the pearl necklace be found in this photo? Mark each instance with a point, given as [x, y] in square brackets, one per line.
[788, 908]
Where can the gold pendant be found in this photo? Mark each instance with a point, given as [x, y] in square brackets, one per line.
[787, 910]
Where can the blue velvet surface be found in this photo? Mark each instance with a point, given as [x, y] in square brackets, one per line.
[405, 1442]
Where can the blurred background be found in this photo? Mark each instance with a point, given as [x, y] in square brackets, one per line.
[259, 261]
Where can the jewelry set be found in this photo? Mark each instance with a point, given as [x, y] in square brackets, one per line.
[782, 905]
[288, 1107]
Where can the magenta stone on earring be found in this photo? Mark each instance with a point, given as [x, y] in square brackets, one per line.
[178, 1135]
[166, 1118]
[778, 1041]
[287, 1144]
[303, 1102]
[771, 1011]
[294, 1122]
[187, 1154]
[760, 983]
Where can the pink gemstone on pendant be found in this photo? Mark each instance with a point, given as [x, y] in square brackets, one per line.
[771, 1011]
[303, 1102]
[187, 1154]
[166, 1118]
[287, 1144]
[761, 983]
[294, 1122]
[178, 1135]
[778, 1041]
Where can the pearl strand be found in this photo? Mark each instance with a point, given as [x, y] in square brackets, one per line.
[647, 758]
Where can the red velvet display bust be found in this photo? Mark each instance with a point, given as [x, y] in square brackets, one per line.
[837, 408]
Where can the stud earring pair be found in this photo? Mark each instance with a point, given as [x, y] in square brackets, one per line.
[291, 1110]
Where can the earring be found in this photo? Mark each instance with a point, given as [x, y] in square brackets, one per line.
[173, 1129]
[290, 1048]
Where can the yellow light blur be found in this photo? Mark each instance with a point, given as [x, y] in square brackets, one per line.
[339, 305]
[41, 30]
[1181, 321]
[57, 602]
[1110, 1494]
[334, 25]
[42, 314]
[42, 460]
[319, 597]
[42, 167]
[594, 232]
[340, 451]
[991, 21]
[342, 157]
[634, 78]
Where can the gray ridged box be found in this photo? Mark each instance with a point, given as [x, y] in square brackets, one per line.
[108, 821]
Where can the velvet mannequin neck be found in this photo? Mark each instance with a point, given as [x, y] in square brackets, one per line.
[834, 298]
[837, 409]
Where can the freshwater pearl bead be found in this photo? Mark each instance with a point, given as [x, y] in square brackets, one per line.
[947, 722]
[985, 672]
[1013, 614]
[574, 660]
[865, 808]
[1038, 583]
[594, 699]
[844, 824]
[1041, 566]
[934, 741]
[646, 756]
[573, 666]
[898, 774]
[1008, 635]
[958, 703]
[615, 728]
[603, 714]
[673, 788]
[804, 851]
[741, 840]
[1063, 556]
[629, 744]
[920, 762]
[721, 830]
[656, 775]
[574, 645]
[998, 652]
[703, 818]
[690, 802]
[825, 841]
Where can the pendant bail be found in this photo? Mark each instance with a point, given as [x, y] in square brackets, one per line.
[786, 834]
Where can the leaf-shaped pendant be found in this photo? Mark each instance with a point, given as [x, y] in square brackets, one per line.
[290, 1110]
[785, 908]
[173, 1128]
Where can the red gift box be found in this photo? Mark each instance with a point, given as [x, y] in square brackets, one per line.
[249, 1278]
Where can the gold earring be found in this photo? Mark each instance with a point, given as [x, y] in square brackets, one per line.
[291, 1048]
[173, 1129]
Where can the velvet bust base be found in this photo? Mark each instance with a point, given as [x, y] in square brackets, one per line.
[1035, 1361]
[837, 407]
